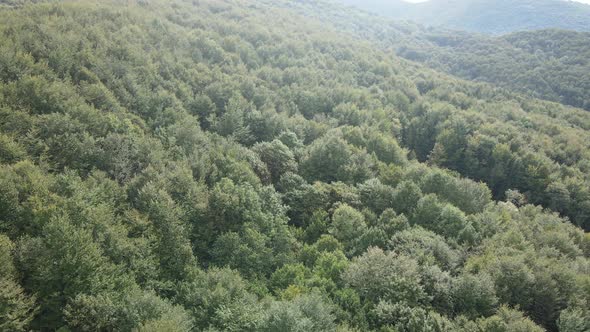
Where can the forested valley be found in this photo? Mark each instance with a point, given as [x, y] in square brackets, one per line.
[269, 165]
[546, 64]
[484, 16]
[549, 63]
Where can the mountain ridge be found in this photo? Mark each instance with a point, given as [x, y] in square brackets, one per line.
[487, 16]
[263, 166]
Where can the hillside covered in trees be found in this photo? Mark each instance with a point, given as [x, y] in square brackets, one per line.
[485, 16]
[547, 64]
[221, 165]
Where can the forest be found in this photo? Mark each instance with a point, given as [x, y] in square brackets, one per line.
[484, 16]
[241, 165]
[550, 64]
[546, 64]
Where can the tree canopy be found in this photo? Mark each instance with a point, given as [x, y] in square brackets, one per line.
[249, 166]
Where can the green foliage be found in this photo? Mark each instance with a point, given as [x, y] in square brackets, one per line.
[255, 237]
[522, 61]
[474, 295]
[425, 246]
[277, 157]
[490, 140]
[270, 166]
[407, 195]
[574, 319]
[10, 150]
[305, 313]
[332, 159]
[133, 310]
[377, 275]
[288, 275]
[348, 225]
[484, 15]
[219, 299]
[401, 317]
[17, 309]
[443, 219]
[77, 266]
[508, 320]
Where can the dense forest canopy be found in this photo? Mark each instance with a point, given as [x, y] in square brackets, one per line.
[486, 16]
[547, 64]
[222, 165]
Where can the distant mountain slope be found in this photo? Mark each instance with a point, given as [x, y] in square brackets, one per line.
[547, 64]
[488, 16]
[16, 3]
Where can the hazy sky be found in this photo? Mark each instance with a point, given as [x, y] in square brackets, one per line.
[583, 1]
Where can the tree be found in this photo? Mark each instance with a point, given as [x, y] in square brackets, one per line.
[173, 247]
[303, 199]
[17, 308]
[376, 195]
[231, 123]
[514, 280]
[402, 317]
[451, 142]
[574, 320]
[469, 196]
[248, 228]
[331, 265]
[474, 295]
[277, 157]
[290, 274]
[426, 247]
[10, 151]
[130, 310]
[421, 132]
[407, 195]
[506, 320]
[304, 313]
[348, 225]
[24, 188]
[443, 219]
[377, 275]
[64, 263]
[390, 222]
[326, 159]
[219, 299]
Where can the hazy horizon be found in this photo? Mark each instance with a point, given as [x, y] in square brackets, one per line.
[582, 1]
